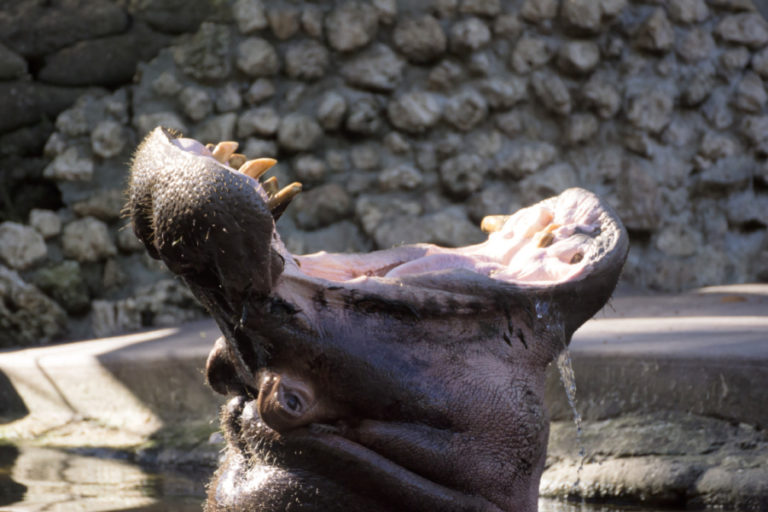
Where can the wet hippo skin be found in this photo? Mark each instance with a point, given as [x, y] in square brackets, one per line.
[405, 379]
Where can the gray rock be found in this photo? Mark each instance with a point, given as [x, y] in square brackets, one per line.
[12, 65]
[386, 10]
[468, 35]
[449, 227]
[749, 29]
[87, 240]
[603, 97]
[259, 148]
[176, 16]
[106, 61]
[46, 222]
[249, 15]
[228, 98]
[257, 58]
[486, 143]
[755, 130]
[70, 166]
[548, 182]
[715, 145]
[526, 159]
[366, 156]
[612, 8]
[695, 44]
[733, 61]
[650, 111]
[284, 20]
[64, 282]
[144, 123]
[750, 94]
[127, 241]
[34, 30]
[298, 132]
[580, 128]
[747, 207]
[108, 139]
[401, 177]
[105, 205]
[373, 211]
[530, 53]
[24, 102]
[655, 34]
[465, 110]
[196, 103]
[688, 11]
[397, 143]
[309, 168]
[507, 26]
[732, 171]
[445, 8]
[351, 25]
[445, 75]
[733, 5]
[697, 88]
[21, 246]
[306, 60]
[717, 111]
[578, 57]
[463, 175]
[377, 69]
[420, 39]
[493, 199]
[261, 121]
[321, 206]
[552, 92]
[166, 84]
[331, 110]
[538, 11]
[488, 8]
[205, 55]
[342, 236]
[415, 111]
[638, 198]
[503, 93]
[260, 90]
[217, 128]
[760, 63]
[27, 316]
[312, 21]
[365, 117]
[581, 16]
[678, 240]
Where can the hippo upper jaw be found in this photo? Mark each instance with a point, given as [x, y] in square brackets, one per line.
[420, 367]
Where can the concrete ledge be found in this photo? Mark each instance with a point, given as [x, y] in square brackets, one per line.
[704, 352]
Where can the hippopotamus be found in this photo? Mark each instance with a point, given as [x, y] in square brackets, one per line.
[405, 379]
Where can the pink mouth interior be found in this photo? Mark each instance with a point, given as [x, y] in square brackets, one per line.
[549, 242]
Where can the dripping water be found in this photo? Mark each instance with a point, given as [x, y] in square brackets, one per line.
[568, 378]
[549, 320]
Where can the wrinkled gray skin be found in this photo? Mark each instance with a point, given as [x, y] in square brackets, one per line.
[382, 390]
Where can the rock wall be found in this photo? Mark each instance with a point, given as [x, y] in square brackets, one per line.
[406, 121]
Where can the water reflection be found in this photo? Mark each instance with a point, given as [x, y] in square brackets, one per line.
[41, 479]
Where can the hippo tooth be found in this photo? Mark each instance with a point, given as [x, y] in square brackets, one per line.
[256, 168]
[284, 196]
[236, 160]
[493, 223]
[270, 186]
[224, 150]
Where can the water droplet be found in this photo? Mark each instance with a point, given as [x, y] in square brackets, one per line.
[568, 378]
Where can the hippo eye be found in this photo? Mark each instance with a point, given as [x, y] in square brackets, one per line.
[292, 402]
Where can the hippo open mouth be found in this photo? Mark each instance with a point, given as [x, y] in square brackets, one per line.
[403, 379]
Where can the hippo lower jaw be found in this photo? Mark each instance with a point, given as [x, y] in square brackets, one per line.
[404, 379]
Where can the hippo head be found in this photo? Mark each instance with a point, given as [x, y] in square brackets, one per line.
[404, 379]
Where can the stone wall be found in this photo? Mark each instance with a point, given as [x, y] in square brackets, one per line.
[406, 121]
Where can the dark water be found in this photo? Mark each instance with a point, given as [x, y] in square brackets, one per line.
[41, 479]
